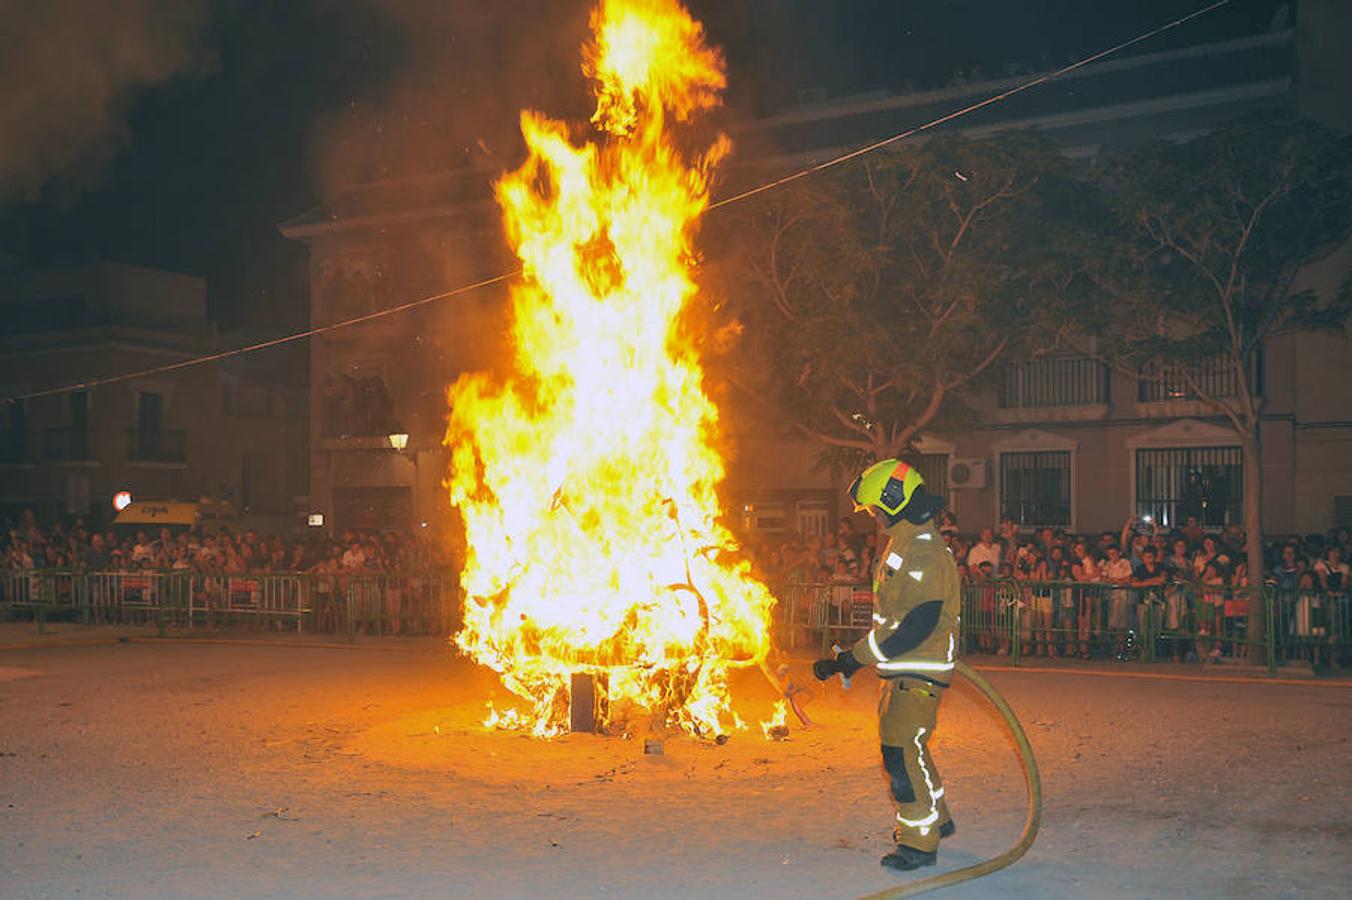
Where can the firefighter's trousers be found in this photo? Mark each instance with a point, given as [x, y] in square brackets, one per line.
[906, 715]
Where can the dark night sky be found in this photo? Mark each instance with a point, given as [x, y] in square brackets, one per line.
[294, 95]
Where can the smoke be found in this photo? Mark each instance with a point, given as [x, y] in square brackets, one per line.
[69, 73]
[434, 133]
[467, 68]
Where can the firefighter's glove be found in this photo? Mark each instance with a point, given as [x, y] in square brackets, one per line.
[843, 663]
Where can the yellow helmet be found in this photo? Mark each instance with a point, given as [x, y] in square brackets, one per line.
[887, 485]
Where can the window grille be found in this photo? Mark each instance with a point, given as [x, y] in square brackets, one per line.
[1342, 511]
[1035, 487]
[1214, 376]
[1056, 381]
[1176, 482]
[933, 467]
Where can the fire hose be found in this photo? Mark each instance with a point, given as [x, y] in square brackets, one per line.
[1032, 780]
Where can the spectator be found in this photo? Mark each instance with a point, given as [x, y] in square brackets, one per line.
[1148, 579]
[1117, 571]
[143, 549]
[948, 525]
[984, 551]
[1178, 564]
[1205, 556]
[98, 559]
[1307, 618]
[1032, 567]
[1237, 610]
[1332, 572]
[1211, 613]
[956, 546]
[1136, 546]
[1063, 599]
[1286, 575]
[1085, 569]
[354, 559]
[986, 609]
[1333, 577]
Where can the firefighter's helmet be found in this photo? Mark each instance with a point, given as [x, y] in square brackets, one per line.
[887, 485]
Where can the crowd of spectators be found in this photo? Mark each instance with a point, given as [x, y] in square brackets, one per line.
[78, 548]
[1141, 551]
[1069, 585]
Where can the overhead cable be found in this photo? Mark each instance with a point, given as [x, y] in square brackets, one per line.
[726, 201]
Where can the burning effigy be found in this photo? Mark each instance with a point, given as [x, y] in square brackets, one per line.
[588, 476]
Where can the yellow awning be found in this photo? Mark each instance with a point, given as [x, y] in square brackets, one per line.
[158, 512]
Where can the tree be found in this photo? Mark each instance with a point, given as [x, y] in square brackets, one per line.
[871, 298]
[1197, 261]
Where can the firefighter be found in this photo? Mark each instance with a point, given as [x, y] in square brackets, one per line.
[912, 645]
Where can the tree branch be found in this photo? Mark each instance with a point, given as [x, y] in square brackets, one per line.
[926, 415]
[985, 363]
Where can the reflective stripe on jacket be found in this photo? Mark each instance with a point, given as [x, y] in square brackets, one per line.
[916, 604]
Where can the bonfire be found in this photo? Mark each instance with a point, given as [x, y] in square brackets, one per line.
[588, 476]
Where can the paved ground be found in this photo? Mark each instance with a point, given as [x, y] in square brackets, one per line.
[174, 769]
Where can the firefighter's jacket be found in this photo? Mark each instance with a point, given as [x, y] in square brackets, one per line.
[916, 605]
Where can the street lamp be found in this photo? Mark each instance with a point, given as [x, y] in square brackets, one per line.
[399, 443]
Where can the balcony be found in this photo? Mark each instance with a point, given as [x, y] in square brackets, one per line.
[166, 445]
[1162, 384]
[1171, 391]
[1058, 388]
[66, 445]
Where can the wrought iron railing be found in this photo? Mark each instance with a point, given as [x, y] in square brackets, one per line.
[163, 445]
[1183, 621]
[1214, 377]
[345, 604]
[1055, 381]
[65, 444]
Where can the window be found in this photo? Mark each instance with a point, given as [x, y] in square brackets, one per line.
[1056, 381]
[43, 315]
[814, 518]
[933, 467]
[15, 446]
[150, 440]
[1035, 487]
[149, 418]
[765, 516]
[1342, 511]
[355, 406]
[78, 494]
[1173, 483]
[79, 425]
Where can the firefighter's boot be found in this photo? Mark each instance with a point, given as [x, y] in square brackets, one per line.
[904, 858]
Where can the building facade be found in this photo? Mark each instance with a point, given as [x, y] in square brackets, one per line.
[183, 435]
[1067, 441]
[1064, 442]
[375, 247]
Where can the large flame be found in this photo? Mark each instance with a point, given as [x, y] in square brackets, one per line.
[588, 480]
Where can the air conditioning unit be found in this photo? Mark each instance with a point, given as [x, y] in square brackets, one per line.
[966, 473]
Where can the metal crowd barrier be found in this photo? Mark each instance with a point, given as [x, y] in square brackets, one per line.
[1175, 621]
[348, 604]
